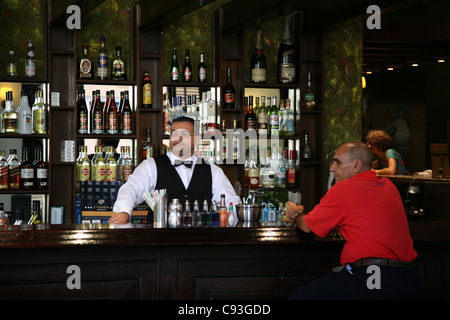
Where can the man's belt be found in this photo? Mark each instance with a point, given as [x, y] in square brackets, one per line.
[382, 262]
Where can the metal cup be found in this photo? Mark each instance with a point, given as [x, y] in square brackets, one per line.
[160, 213]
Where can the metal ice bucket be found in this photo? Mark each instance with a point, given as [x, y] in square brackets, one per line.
[248, 212]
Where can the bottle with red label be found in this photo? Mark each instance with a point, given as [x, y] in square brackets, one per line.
[229, 94]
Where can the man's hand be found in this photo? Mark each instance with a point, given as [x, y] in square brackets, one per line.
[120, 218]
[296, 213]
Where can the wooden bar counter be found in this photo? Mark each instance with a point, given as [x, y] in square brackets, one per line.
[137, 261]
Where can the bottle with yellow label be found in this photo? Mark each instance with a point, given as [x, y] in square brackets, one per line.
[100, 167]
[83, 165]
[39, 114]
[146, 90]
[36, 213]
[111, 165]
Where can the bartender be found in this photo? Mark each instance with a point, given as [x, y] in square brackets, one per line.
[180, 172]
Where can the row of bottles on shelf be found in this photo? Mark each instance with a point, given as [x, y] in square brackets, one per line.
[116, 71]
[24, 119]
[217, 215]
[104, 166]
[104, 118]
[29, 65]
[24, 174]
[187, 73]
[22, 218]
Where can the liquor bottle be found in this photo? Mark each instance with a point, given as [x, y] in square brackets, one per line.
[253, 170]
[250, 120]
[286, 56]
[309, 101]
[223, 212]
[126, 115]
[229, 94]
[280, 214]
[25, 116]
[202, 69]
[246, 168]
[258, 62]
[26, 171]
[127, 167]
[113, 121]
[174, 67]
[85, 64]
[274, 117]
[255, 110]
[97, 115]
[11, 68]
[105, 111]
[4, 220]
[307, 152]
[167, 114]
[30, 61]
[271, 212]
[83, 114]
[290, 120]
[149, 148]
[120, 164]
[215, 217]
[211, 112]
[187, 215]
[4, 171]
[146, 90]
[9, 116]
[224, 142]
[187, 68]
[98, 150]
[39, 113]
[36, 213]
[279, 168]
[14, 170]
[120, 110]
[196, 215]
[100, 166]
[263, 118]
[282, 117]
[2, 109]
[102, 64]
[267, 173]
[236, 142]
[111, 164]
[205, 215]
[119, 66]
[290, 167]
[83, 165]
[41, 168]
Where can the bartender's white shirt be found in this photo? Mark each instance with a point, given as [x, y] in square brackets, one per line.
[144, 178]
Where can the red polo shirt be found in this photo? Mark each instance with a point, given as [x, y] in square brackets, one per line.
[369, 213]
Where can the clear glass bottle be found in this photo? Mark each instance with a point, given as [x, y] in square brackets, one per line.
[39, 113]
[83, 165]
[14, 170]
[120, 164]
[119, 66]
[25, 116]
[187, 68]
[290, 119]
[253, 170]
[280, 214]
[85, 64]
[258, 62]
[215, 218]
[286, 56]
[36, 213]
[263, 118]
[205, 215]
[280, 167]
[187, 215]
[149, 148]
[196, 215]
[127, 168]
[30, 61]
[202, 69]
[11, 68]
[102, 61]
[271, 212]
[9, 116]
[167, 114]
[111, 164]
[174, 67]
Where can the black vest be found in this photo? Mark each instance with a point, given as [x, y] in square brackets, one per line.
[200, 187]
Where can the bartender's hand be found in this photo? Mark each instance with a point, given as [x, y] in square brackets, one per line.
[292, 209]
[119, 218]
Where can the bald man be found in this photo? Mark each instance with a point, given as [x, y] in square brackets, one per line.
[369, 213]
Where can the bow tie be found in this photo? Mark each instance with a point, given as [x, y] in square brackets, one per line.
[188, 164]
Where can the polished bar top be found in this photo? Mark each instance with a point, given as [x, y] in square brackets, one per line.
[75, 235]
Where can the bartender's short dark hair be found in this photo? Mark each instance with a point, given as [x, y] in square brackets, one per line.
[186, 119]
